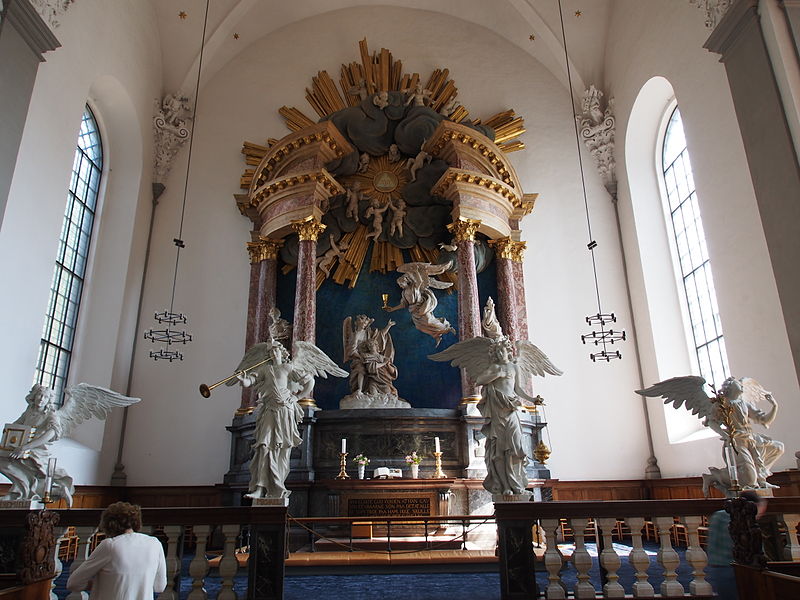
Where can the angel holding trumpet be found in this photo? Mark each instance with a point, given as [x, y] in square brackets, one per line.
[491, 362]
[279, 382]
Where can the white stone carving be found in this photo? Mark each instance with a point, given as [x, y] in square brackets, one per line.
[416, 282]
[50, 10]
[714, 9]
[171, 127]
[597, 128]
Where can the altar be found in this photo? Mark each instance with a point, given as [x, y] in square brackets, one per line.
[388, 497]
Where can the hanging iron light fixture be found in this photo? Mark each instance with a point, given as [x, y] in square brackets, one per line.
[602, 337]
[169, 336]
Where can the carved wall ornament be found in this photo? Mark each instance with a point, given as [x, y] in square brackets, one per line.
[464, 230]
[263, 249]
[309, 228]
[597, 129]
[51, 10]
[37, 551]
[714, 9]
[503, 247]
[171, 128]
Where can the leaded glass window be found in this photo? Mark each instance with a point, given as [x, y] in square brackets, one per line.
[693, 263]
[58, 333]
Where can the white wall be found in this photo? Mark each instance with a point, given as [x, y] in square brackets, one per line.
[110, 57]
[240, 103]
[668, 43]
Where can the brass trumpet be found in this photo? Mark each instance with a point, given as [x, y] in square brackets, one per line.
[205, 390]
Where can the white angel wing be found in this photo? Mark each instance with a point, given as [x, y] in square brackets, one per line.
[254, 355]
[473, 355]
[84, 401]
[533, 361]
[752, 391]
[684, 391]
[310, 359]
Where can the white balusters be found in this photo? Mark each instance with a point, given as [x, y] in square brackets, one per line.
[581, 560]
[198, 568]
[610, 560]
[228, 566]
[61, 534]
[668, 558]
[553, 561]
[84, 535]
[639, 559]
[173, 535]
[696, 557]
[792, 549]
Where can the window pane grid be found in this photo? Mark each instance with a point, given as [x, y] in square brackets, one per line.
[693, 261]
[58, 332]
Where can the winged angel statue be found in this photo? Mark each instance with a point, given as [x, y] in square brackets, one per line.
[416, 281]
[279, 383]
[731, 413]
[24, 457]
[490, 362]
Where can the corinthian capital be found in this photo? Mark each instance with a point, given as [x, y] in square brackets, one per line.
[508, 249]
[464, 230]
[308, 228]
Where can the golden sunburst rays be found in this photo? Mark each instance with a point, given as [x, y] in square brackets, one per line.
[382, 180]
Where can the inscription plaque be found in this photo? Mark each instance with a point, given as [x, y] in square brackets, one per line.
[389, 507]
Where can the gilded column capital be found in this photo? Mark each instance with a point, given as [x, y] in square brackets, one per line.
[263, 249]
[464, 230]
[308, 228]
[509, 249]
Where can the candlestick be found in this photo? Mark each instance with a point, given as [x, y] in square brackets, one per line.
[436, 443]
[343, 465]
[344, 445]
[438, 473]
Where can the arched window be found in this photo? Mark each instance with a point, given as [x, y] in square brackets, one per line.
[58, 333]
[692, 255]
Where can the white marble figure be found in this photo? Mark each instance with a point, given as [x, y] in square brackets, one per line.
[418, 96]
[26, 465]
[416, 283]
[279, 383]
[731, 413]
[370, 353]
[415, 164]
[449, 107]
[489, 323]
[325, 262]
[279, 329]
[492, 364]
[394, 154]
[363, 162]
[399, 213]
[376, 210]
[381, 99]
[359, 89]
[175, 109]
[354, 196]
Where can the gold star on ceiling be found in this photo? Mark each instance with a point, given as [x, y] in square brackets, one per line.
[532, 37]
[236, 36]
[182, 15]
[578, 13]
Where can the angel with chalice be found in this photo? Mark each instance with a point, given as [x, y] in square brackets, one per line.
[502, 369]
[26, 449]
[279, 382]
[731, 413]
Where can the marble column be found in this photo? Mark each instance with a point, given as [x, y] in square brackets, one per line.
[469, 313]
[505, 249]
[263, 281]
[305, 299]
[517, 254]
[769, 147]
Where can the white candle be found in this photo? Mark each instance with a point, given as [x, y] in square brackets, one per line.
[344, 445]
[436, 442]
[50, 473]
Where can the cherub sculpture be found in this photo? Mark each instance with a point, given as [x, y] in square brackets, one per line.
[399, 213]
[279, 383]
[394, 154]
[370, 352]
[418, 96]
[359, 89]
[363, 162]
[416, 281]
[376, 210]
[25, 464]
[354, 196]
[381, 99]
[415, 164]
[174, 109]
[492, 364]
[730, 413]
[325, 262]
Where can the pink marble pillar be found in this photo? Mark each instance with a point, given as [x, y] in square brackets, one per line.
[519, 294]
[469, 314]
[507, 286]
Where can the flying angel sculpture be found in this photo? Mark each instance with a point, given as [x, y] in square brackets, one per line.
[731, 413]
[416, 281]
[491, 362]
[26, 447]
[279, 382]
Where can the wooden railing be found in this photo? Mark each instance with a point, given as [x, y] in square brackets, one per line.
[516, 523]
